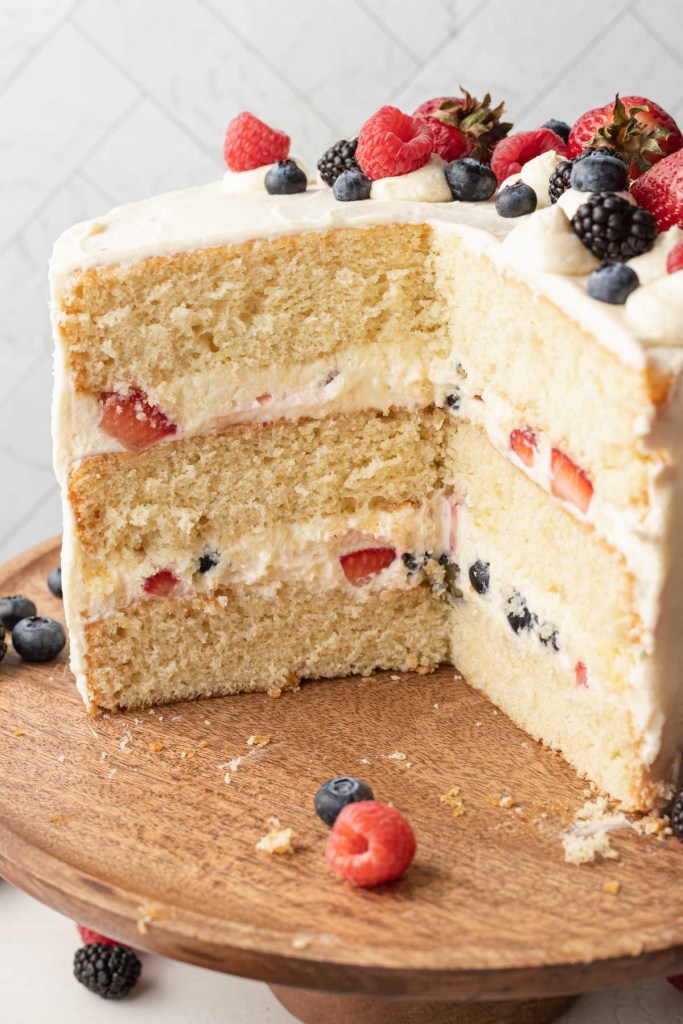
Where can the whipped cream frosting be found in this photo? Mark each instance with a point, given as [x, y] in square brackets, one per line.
[425, 185]
[544, 242]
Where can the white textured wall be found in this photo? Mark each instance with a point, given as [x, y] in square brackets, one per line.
[105, 101]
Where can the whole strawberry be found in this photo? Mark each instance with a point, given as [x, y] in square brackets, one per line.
[660, 190]
[251, 143]
[464, 126]
[639, 129]
[392, 143]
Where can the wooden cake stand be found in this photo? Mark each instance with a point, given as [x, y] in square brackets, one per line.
[143, 825]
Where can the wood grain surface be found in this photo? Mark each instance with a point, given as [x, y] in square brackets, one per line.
[128, 822]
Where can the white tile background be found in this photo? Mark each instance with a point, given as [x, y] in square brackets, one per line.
[106, 101]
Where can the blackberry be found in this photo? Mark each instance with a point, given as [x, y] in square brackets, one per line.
[677, 815]
[480, 576]
[518, 615]
[614, 229]
[338, 158]
[451, 572]
[559, 179]
[109, 971]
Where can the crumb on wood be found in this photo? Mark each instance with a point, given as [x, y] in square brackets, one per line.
[186, 753]
[301, 941]
[18, 733]
[156, 747]
[451, 798]
[611, 888]
[397, 755]
[59, 819]
[258, 741]
[149, 914]
[277, 841]
[585, 849]
[203, 744]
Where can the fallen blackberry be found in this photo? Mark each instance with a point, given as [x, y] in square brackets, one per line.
[677, 815]
[338, 158]
[108, 971]
[614, 229]
[559, 179]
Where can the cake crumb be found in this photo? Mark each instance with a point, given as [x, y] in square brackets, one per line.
[612, 888]
[277, 841]
[156, 747]
[395, 679]
[363, 760]
[148, 914]
[478, 725]
[103, 755]
[435, 706]
[501, 800]
[207, 722]
[18, 733]
[203, 744]
[301, 941]
[588, 838]
[451, 798]
[275, 693]
[397, 755]
[61, 759]
[585, 849]
[186, 753]
[258, 741]
[507, 802]
[59, 819]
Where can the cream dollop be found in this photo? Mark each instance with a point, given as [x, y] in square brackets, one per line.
[236, 183]
[425, 185]
[571, 200]
[545, 243]
[536, 173]
[652, 264]
[655, 310]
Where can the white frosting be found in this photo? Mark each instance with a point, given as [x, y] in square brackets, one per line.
[425, 185]
[655, 310]
[571, 199]
[545, 243]
[652, 264]
[536, 173]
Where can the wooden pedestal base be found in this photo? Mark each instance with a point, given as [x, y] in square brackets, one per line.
[324, 1008]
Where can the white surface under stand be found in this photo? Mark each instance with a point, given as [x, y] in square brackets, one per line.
[37, 986]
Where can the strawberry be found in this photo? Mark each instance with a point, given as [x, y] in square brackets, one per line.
[581, 673]
[640, 131]
[569, 482]
[370, 843]
[251, 143]
[360, 566]
[674, 261]
[161, 584]
[660, 190]
[512, 153]
[132, 421]
[475, 123]
[524, 444]
[449, 142]
[89, 936]
[391, 143]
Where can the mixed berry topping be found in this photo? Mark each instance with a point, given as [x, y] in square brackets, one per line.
[351, 186]
[336, 794]
[360, 567]
[370, 843]
[660, 191]
[108, 971]
[392, 143]
[339, 157]
[614, 229]
[470, 181]
[465, 125]
[599, 173]
[638, 129]
[285, 178]
[250, 143]
[516, 200]
[613, 283]
[13, 609]
[38, 638]
[512, 153]
[560, 128]
[132, 421]
[559, 180]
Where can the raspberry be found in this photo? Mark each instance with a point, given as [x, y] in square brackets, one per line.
[89, 936]
[370, 843]
[391, 143]
[512, 153]
[251, 143]
[674, 260]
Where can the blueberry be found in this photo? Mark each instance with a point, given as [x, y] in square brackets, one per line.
[479, 576]
[518, 615]
[470, 181]
[284, 178]
[453, 400]
[208, 561]
[451, 572]
[38, 638]
[13, 609]
[351, 186]
[560, 128]
[548, 635]
[516, 200]
[414, 562]
[599, 173]
[337, 793]
[54, 582]
[613, 283]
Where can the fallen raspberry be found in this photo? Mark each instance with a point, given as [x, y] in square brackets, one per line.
[569, 482]
[360, 566]
[251, 143]
[392, 143]
[161, 584]
[674, 260]
[132, 421]
[88, 936]
[370, 843]
[524, 444]
[513, 152]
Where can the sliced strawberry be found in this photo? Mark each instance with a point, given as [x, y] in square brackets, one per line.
[640, 130]
[569, 482]
[581, 673]
[161, 584]
[132, 421]
[512, 153]
[524, 444]
[674, 261]
[660, 190]
[360, 566]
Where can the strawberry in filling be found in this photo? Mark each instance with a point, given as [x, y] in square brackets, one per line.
[581, 673]
[569, 482]
[132, 421]
[359, 567]
[524, 444]
[161, 584]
